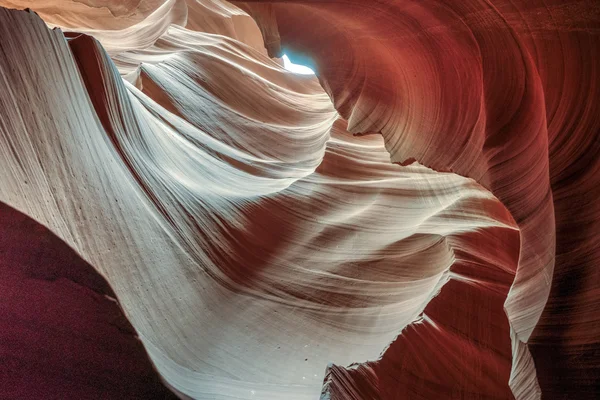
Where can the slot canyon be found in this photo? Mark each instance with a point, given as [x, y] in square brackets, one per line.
[299, 200]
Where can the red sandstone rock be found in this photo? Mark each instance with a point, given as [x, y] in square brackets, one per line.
[262, 251]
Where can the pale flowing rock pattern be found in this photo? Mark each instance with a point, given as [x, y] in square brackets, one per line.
[258, 247]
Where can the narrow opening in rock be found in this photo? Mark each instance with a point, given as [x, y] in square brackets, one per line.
[295, 67]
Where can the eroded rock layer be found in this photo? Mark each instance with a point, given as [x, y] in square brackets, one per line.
[416, 222]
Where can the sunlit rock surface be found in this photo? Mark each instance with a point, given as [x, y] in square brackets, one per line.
[417, 221]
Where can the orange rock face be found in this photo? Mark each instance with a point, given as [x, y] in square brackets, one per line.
[417, 221]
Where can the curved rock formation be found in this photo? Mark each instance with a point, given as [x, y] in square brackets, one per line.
[264, 242]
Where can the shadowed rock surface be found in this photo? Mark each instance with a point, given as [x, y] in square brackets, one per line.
[418, 221]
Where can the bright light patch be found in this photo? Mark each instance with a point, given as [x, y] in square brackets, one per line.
[296, 68]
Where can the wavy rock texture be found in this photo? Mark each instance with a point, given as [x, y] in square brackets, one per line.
[258, 247]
